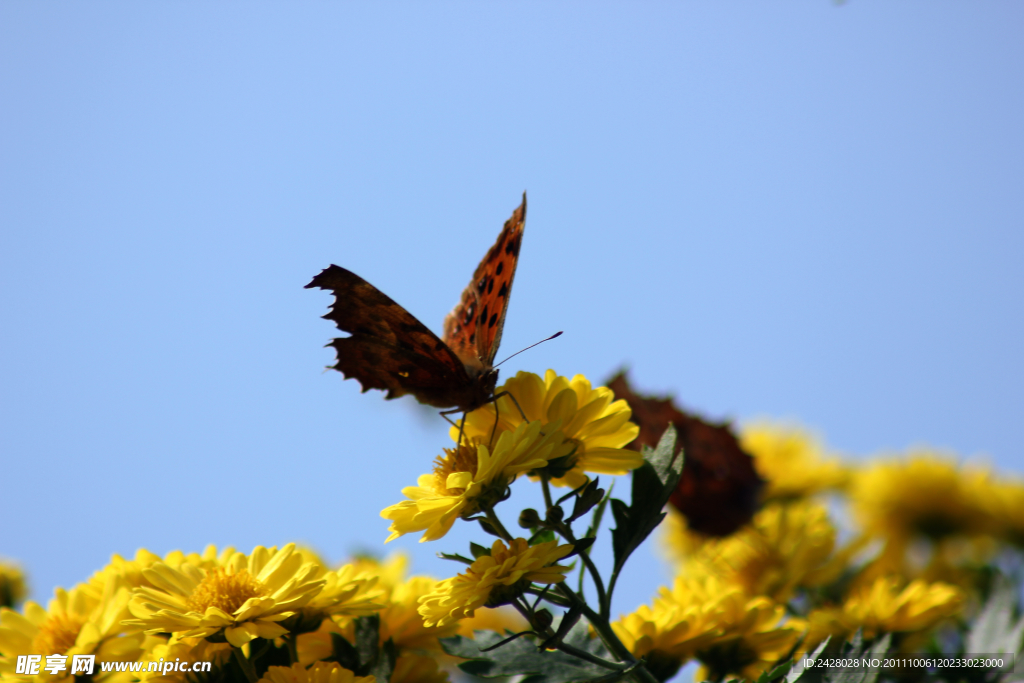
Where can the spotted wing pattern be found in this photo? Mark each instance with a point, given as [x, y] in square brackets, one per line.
[473, 328]
[389, 349]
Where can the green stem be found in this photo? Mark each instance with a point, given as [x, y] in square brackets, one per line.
[593, 659]
[608, 637]
[548, 597]
[492, 517]
[546, 486]
[606, 607]
[247, 668]
[595, 575]
[567, 649]
[291, 642]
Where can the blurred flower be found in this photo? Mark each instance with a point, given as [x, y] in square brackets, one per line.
[414, 668]
[592, 419]
[401, 621]
[924, 497]
[320, 672]
[243, 599]
[389, 572]
[12, 584]
[785, 546]
[494, 579]
[713, 621]
[719, 490]
[753, 640]
[883, 607]
[792, 460]
[130, 572]
[677, 625]
[473, 477]
[76, 622]
[347, 591]
[1008, 509]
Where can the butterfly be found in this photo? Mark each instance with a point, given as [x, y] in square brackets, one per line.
[389, 349]
[719, 489]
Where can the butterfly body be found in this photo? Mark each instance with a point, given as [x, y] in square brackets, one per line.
[389, 349]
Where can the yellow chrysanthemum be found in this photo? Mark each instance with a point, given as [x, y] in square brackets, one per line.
[471, 477]
[347, 591]
[711, 620]
[924, 495]
[678, 624]
[494, 580]
[243, 599]
[76, 622]
[400, 622]
[753, 640]
[784, 547]
[130, 572]
[592, 419]
[792, 460]
[12, 584]
[321, 672]
[883, 607]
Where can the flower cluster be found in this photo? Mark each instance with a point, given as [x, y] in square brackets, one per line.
[915, 553]
[912, 560]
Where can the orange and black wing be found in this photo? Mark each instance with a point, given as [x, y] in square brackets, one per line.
[389, 349]
[473, 329]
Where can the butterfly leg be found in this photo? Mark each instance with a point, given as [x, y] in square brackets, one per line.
[497, 416]
[519, 407]
[461, 425]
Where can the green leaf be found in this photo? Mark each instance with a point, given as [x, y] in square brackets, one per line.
[542, 536]
[595, 519]
[582, 545]
[993, 631]
[800, 673]
[586, 499]
[859, 675]
[488, 527]
[343, 652]
[479, 551]
[521, 657]
[455, 557]
[776, 673]
[653, 483]
[367, 656]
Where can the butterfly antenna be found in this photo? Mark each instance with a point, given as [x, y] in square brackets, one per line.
[556, 334]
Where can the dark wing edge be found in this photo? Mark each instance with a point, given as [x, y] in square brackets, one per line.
[389, 348]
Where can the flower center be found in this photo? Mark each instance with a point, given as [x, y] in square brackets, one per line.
[461, 459]
[224, 591]
[58, 634]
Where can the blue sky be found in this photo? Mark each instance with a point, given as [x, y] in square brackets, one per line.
[809, 211]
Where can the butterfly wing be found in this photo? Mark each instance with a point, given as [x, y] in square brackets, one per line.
[389, 349]
[473, 329]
